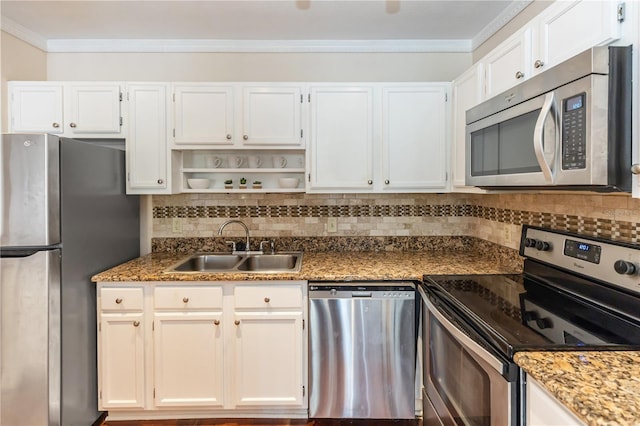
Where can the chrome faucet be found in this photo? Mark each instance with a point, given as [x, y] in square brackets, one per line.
[247, 247]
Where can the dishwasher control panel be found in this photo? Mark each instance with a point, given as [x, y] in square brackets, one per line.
[374, 290]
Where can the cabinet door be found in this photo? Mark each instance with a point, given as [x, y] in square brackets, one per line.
[36, 107]
[543, 409]
[271, 116]
[147, 168]
[121, 360]
[204, 114]
[188, 358]
[508, 64]
[414, 123]
[341, 138]
[94, 108]
[269, 359]
[467, 93]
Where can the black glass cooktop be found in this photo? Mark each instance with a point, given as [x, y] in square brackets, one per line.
[518, 313]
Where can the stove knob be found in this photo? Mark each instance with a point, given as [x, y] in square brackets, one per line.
[543, 246]
[543, 323]
[624, 268]
[530, 242]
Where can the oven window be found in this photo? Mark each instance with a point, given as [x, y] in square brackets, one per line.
[461, 382]
[505, 148]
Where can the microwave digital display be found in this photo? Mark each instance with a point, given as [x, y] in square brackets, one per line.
[576, 102]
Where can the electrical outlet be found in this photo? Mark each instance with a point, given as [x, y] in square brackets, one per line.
[176, 225]
[332, 224]
[507, 233]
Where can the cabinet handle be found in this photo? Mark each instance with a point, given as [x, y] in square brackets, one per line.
[237, 322]
[55, 125]
[160, 181]
[386, 182]
[267, 300]
[118, 300]
[538, 64]
[370, 182]
[245, 137]
[72, 125]
[185, 299]
[635, 169]
[519, 75]
[216, 322]
[136, 323]
[228, 136]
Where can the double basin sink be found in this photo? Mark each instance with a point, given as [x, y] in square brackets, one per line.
[280, 262]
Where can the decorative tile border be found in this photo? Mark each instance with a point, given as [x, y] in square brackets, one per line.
[606, 228]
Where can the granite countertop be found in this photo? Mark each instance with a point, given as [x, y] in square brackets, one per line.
[600, 388]
[321, 266]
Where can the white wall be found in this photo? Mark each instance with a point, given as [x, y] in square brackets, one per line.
[19, 61]
[257, 66]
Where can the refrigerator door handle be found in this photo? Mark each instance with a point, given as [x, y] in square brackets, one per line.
[18, 253]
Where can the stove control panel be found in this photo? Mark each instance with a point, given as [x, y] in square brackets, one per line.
[611, 261]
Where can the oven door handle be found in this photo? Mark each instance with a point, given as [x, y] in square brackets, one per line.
[539, 140]
[464, 340]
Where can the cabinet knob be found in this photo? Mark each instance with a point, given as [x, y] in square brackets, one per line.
[55, 125]
[185, 299]
[216, 322]
[136, 323]
[118, 300]
[519, 75]
[72, 125]
[370, 182]
[228, 136]
[538, 64]
[267, 300]
[237, 322]
[386, 182]
[635, 169]
[160, 181]
[245, 137]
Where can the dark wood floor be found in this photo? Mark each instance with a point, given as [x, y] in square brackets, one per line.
[266, 422]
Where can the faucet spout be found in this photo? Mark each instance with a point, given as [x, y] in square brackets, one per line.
[246, 230]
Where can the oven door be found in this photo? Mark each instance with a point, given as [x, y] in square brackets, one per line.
[465, 381]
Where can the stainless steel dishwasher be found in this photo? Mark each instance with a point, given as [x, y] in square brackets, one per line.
[362, 350]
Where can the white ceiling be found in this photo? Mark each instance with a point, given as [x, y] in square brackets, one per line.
[249, 25]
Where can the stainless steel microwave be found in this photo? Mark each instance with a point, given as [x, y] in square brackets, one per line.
[566, 128]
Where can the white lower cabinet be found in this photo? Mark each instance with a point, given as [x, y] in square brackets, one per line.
[205, 349]
[542, 409]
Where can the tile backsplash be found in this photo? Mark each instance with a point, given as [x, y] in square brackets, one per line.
[492, 217]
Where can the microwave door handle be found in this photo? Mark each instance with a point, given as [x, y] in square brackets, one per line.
[538, 136]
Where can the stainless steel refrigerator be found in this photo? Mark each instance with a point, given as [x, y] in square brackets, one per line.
[64, 217]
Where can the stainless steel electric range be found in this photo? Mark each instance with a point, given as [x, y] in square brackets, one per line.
[576, 293]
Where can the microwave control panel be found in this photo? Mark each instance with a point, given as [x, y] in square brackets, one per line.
[574, 132]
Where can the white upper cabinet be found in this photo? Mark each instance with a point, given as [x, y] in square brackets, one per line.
[148, 169]
[72, 109]
[414, 123]
[467, 93]
[203, 114]
[341, 151]
[568, 28]
[508, 64]
[272, 116]
[237, 116]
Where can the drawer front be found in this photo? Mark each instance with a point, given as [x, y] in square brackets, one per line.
[121, 299]
[188, 297]
[266, 296]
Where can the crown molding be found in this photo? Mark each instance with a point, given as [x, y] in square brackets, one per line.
[500, 21]
[256, 46]
[11, 27]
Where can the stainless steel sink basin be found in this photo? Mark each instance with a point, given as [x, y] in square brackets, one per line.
[241, 263]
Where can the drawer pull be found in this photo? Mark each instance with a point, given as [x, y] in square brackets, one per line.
[237, 322]
[118, 300]
[185, 299]
[216, 322]
[136, 323]
[267, 300]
